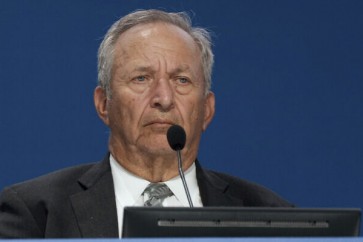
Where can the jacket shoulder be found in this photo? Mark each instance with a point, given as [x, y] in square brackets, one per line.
[52, 182]
[252, 194]
[27, 207]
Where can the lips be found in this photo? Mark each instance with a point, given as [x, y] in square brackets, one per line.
[161, 122]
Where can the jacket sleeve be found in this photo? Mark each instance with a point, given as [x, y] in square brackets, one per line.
[16, 220]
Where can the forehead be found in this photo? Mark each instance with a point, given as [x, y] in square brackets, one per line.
[160, 35]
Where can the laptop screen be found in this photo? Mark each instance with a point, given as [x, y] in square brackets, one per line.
[239, 222]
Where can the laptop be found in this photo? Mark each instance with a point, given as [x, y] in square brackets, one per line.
[151, 222]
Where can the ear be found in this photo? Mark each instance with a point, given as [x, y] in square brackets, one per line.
[100, 100]
[209, 110]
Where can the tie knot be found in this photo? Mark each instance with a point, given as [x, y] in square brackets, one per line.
[155, 194]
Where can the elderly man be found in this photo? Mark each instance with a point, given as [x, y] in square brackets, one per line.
[154, 72]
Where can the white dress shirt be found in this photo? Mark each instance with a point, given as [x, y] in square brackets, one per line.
[129, 188]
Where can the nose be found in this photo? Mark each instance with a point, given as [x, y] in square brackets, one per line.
[162, 95]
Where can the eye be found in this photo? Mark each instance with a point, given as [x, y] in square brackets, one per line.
[183, 85]
[140, 78]
[183, 80]
[140, 83]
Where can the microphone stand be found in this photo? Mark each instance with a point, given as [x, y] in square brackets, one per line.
[181, 173]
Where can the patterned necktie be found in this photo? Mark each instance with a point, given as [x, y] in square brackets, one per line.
[155, 194]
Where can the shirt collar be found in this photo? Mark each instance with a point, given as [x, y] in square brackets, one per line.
[129, 187]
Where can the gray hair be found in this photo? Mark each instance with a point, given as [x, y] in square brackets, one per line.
[107, 48]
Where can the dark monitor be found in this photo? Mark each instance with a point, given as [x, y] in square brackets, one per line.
[239, 222]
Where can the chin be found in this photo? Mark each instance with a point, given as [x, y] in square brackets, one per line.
[156, 149]
[155, 144]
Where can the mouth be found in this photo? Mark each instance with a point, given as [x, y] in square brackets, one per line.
[159, 124]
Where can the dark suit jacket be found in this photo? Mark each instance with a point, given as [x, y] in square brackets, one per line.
[80, 202]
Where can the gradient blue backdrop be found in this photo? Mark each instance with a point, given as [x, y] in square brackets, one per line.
[288, 79]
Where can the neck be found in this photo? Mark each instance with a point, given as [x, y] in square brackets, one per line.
[151, 167]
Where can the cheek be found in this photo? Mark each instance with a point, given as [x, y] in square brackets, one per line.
[119, 109]
[130, 110]
[193, 114]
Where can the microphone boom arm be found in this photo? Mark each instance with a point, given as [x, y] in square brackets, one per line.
[181, 173]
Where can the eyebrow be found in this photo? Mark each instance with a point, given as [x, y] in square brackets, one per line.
[182, 68]
[179, 69]
[143, 69]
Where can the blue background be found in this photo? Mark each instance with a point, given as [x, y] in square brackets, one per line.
[288, 79]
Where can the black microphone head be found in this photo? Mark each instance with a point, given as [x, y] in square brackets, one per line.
[176, 137]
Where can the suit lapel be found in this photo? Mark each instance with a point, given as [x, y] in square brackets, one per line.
[214, 190]
[95, 207]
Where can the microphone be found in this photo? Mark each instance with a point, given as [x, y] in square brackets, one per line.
[176, 138]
